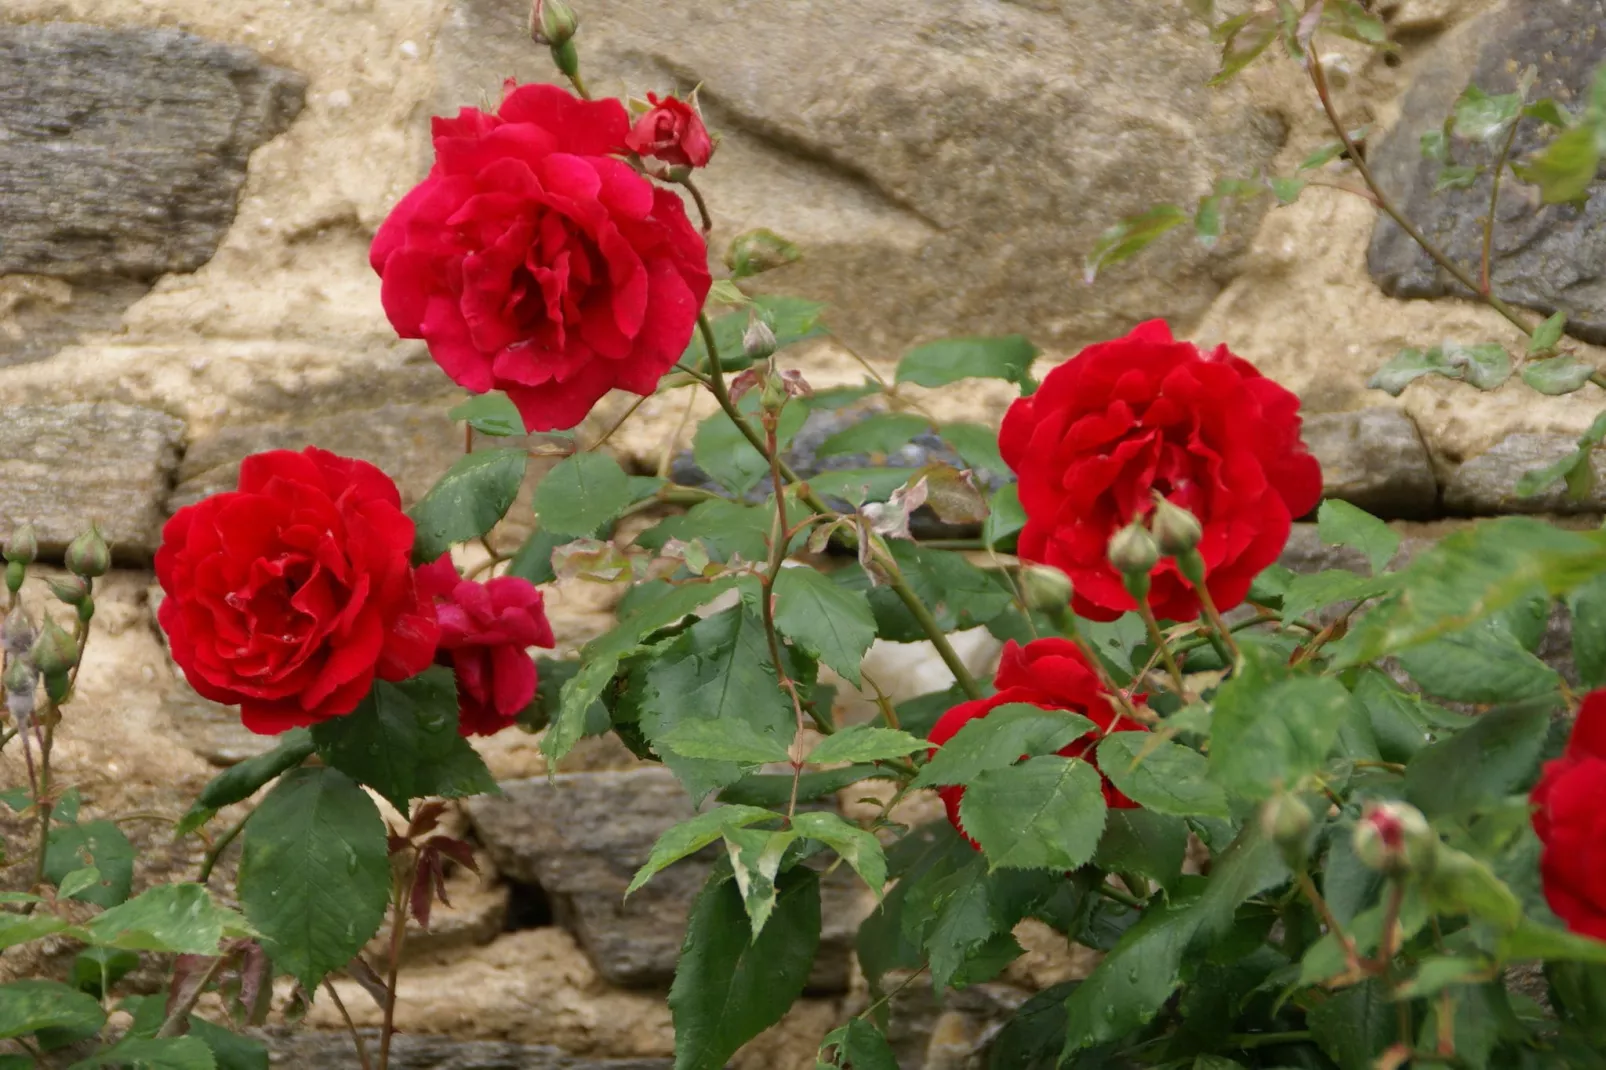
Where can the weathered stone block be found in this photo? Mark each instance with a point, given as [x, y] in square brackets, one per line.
[63, 466]
[1546, 257]
[1486, 485]
[582, 836]
[1374, 459]
[311, 1050]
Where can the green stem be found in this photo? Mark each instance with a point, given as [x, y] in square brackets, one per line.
[1158, 639]
[178, 1019]
[1494, 201]
[209, 862]
[1116, 895]
[1261, 1040]
[702, 205]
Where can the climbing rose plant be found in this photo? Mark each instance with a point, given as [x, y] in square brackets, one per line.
[1320, 820]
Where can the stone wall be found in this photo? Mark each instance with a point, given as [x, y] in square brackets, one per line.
[188, 192]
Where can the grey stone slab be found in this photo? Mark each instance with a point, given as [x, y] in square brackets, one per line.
[1375, 459]
[312, 1050]
[1486, 485]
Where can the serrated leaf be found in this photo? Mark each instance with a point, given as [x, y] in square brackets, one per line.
[729, 986]
[721, 450]
[1317, 590]
[1046, 813]
[1145, 843]
[692, 835]
[1131, 236]
[773, 789]
[1565, 169]
[1409, 365]
[1132, 982]
[999, 740]
[755, 857]
[861, 1046]
[315, 872]
[94, 843]
[1271, 728]
[884, 433]
[1587, 605]
[77, 881]
[402, 741]
[1162, 776]
[1338, 523]
[1558, 375]
[1243, 38]
[1477, 767]
[791, 318]
[490, 414]
[724, 528]
[243, 780]
[467, 502]
[1005, 517]
[1547, 334]
[20, 928]
[1481, 664]
[865, 743]
[581, 494]
[1461, 884]
[177, 918]
[858, 848]
[1479, 116]
[26, 1007]
[728, 739]
[825, 619]
[1530, 940]
[153, 1053]
[1354, 1025]
[950, 360]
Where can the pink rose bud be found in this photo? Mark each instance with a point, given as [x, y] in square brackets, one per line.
[671, 131]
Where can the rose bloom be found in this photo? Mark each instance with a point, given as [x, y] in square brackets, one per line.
[1570, 818]
[671, 131]
[486, 629]
[1145, 413]
[1051, 674]
[288, 596]
[534, 262]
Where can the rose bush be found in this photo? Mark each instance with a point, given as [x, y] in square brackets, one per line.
[289, 595]
[535, 262]
[1143, 415]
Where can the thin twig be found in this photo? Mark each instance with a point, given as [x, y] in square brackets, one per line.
[179, 1017]
[209, 862]
[702, 205]
[398, 938]
[356, 1037]
[1158, 639]
[1494, 202]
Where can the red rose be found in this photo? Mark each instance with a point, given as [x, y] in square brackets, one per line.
[1145, 413]
[289, 595]
[1570, 818]
[1051, 674]
[533, 262]
[485, 630]
[673, 132]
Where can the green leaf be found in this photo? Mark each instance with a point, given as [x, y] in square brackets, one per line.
[1547, 335]
[402, 741]
[998, 741]
[1339, 523]
[1530, 940]
[773, 789]
[729, 986]
[824, 619]
[532, 561]
[239, 782]
[178, 918]
[231, 1050]
[1438, 972]
[601, 656]
[1207, 220]
[1409, 365]
[1008, 357]
[78, 880]
[692, 835]
[1162, 776]
[1133, 981]
[315, 872]
[1565, 169]
[958, 594]
[1271, 728]
[28, 1006]
[1483, 664]
[467, 502]
[721, 450]
[754, 251]
[1493, 758]
[153, 1053]
[724, 528]
[1047, 812]
[884, 433]
[1148, 844]
[755, 857]
[1435, 146]
[976, 445]
[96, 969]
[858, 848]
[1457, 176]
[864, 743]
[490, 414]
[1481, 117]
[1460, 884]
[1005, 517]
[1587, 605]
[1558, 375]
[1354, 1025]
[718, 670]
[1317, 590]
[1130, 237]
[20, 928]
[94, 843]
[1485, 365]
[861, 1046]
[792, 319]
[581, 494]
[728, 740]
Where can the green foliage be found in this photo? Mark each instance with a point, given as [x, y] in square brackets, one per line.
[693, 835]
[1130, 237]
[1498, 754]
[1047, 812]
[940, 363]
[858, 1046]
[772, 790]
[1484, 365]
[998, 741]
[467, 501]
[582, 494]
[26, 1007]
[1558, 375]
[721, 450]
[724, 528]
[491, 414]
[241, 781]
[864, 743]
[1272, 727]
[731, 985]
[1161, 776]
[792, 319]
[100, 844]
[824, 619]
[1339, 523]
[315, 872]
[883, 434]
[1574, 469]
[178, 918]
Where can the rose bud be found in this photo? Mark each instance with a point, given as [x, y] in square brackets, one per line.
[671, 131]
[17, 634]
[758, 341]
[54, 652]
[23, 545]
[1286, 821]
[1394, 838]
[1045, 588]
[88, 556]
[552, 22]
[1175, 529]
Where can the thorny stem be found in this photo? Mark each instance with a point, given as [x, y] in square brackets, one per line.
[1391, 919]
[215, 852]
[398, 938]
[1319, 79]
[1307, 886]
[1494, 200]
[179, 1017]
[1156, 637]
[1192, 568]
[884, 558]
[351, 1026]
[702, 205]
[42, 798]
[905, 983]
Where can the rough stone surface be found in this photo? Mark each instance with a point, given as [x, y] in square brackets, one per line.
[123, 155]
[335, 1051]
[65, 466]
[1375, 459]
[946, 165]
[582, 837]
[1546, 257]
[1486, 485]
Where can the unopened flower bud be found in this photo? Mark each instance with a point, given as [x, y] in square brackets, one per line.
[17, 633]
[1395, 839]
[758, 341]
[1045, 588]
[88, 555]
[552, 22]
[69, 589]
[20, 678]
[756, 251]
[1286, 821]
[1133, 551]
[1175, 529]
[54, 652]
[23, 545]
[16, 572]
